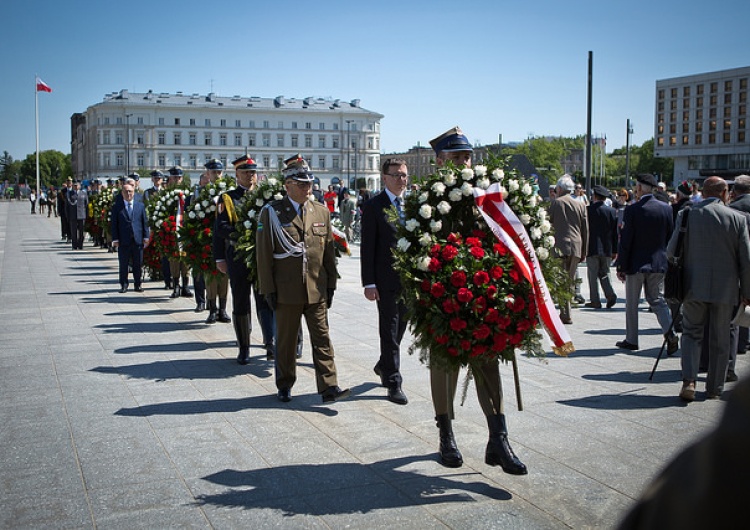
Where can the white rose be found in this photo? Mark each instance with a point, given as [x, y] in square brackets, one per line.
[542, 253]
[403, 244]
[438, 188]
[467, 189]
[513, 185]
[267, 194]
[411, 225]
[159, 223]
[467, 173]
[425, 211]
[425, 240]
[535, 233]
[201, 215]
[480, 171]
[423, 197]
[247, 225]
[191, 215]
[443, 207]
[205, 203]
[423, 263]
[526, 189]
[483, 183]
[532, 201]
[272, 181]
[455, 195]
[499, 174]
[251, 214]
[278, 196]
[450, 178]
[259, 202]
[435, 226]
[545, 227]
[198, 206]
[541, 214]
[212, 191]
[525, 218]
[222, 184]
[550, 241]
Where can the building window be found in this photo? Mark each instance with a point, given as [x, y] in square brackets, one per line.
[266, 140]
[743, 97]
[222, 123]
[177, 138]
[699, 114]
[161, 121]
[294, 125]
[106, 161]
[711, 138]
[741, 136]
[251, 140]
[686, 116]
[105, 137]
[699, 101]
[321, 142]
[712, 113]
[672, 118]
[192, 122]
[251, 124]
[321, 162]
[335, 162]
[206, 138]
[162, 138]
[741, 123]
[672, 140]
[308, 141]
[238, 139]
[727, 99]
[672, 128]
[743, 83]
[714, 87]
[207, 157]
[106, 120]
[193, 139]
[728, 85]
[686, 103]
[279, 140]
[699, 126]
[266, 161]
[712, 100]
[698, 139]
[685, 91]
[119, 161]
[727, 112]
[238, 123]
[222, 139]
[335, 142]
[322, 126]
[335, 126]
[684, 139]
[266, 124]
[118, 138]
[726, 138]
[280, 162]
[727, 124]
[712, 125]
[685, 127]
[207, 122]
[193, 161]
[281, 125]
[162, 160]
[673, 105]
[699, 90]
[661, 93]
[140, 159]
[308, 125]
[673, 93]
[223, 159]
[177, 121]
[295, 140]
[370, 143]
[177, 160]
[742, 110]
[660, 129]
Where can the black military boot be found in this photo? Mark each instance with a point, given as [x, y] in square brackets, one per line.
[498, 451]
[176, 289]
[450, 456]
[242, 331]
[211, 312]
[186, 292]
[222, 316]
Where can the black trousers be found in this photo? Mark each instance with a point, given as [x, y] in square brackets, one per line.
[127, 254]
[77, 232]
[391, 326]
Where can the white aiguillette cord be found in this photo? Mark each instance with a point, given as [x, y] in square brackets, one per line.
[290, 248]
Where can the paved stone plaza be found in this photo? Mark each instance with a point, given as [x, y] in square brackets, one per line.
[127, 411]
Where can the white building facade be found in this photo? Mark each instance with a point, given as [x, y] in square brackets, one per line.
[127, 132]
[701, 122]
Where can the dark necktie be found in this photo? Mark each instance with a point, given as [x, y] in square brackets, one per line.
[130, 209]
[397, 202]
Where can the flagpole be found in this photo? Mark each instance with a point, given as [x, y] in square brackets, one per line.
[36, 112]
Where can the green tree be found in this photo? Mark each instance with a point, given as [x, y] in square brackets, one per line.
[662, 168]
[54, 168]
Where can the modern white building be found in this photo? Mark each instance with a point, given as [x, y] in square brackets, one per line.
[131, 131]
[701, 122]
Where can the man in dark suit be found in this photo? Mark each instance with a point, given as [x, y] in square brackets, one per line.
[602, 248]
[717, 273]
[642, 261]
[130, 235]
[77, 209]
[297, 275]
[381, 282]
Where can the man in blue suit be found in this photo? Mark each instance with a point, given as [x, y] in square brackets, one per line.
[642, 260]
[380, 280]
[130, 234]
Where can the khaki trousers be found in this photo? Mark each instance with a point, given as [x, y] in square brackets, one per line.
[487, 380]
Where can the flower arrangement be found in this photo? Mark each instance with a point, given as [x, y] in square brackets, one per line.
[267, 190]
[162, 218]
[468, 300]
[196, 233]
[101, 210]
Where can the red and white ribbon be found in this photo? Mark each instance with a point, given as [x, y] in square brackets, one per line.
[509, 230]
[178, 218]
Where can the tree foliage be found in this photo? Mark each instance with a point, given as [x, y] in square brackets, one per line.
[54, 168]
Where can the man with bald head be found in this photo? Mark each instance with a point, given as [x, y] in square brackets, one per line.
[716, 257]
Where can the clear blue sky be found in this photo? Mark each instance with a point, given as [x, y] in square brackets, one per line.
[491, 66]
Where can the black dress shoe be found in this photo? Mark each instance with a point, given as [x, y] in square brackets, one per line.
[334, 393]
[611, 302]
[673, 344]
[592, 305]
[123, 289]
[223, 317]
[139, 289]
[625, 345]
[397, 396]
[284, 394]
[731, 376]
[578, 299]
[200, 307]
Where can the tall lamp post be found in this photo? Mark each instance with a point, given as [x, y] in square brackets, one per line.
[348, 153]
[627, 154]
[127, 144]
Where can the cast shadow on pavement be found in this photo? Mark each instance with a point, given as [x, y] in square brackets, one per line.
[354, 488]
[625, 401]
[175, 347]
[660, 376]
[151, 327]
[190, 369]
[300, 402]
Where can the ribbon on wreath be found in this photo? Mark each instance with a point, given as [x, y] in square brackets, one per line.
[179, 217]
[509, 230]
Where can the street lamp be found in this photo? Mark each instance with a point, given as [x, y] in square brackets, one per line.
[348, 153]
[627, 154]
[127, 144]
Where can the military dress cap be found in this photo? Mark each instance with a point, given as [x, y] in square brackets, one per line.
[601, 191]
[134, 176]
[296, 168]
[70, 179]
[684, 187]
[647, 179]
[175, 171]
[214, 164]
[451, 140]
[110, 181]
[157, 174]
[245, 162]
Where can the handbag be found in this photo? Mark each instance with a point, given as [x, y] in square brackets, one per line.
[674, 279]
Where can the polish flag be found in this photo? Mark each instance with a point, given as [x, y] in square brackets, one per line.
[41, 86]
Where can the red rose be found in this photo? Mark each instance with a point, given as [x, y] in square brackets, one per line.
[518, 305]
[482, 332]
[206, 221]
[477, 252]
[425, 286]
[516, 339]
[473, 242]
[464, 295]
[480, 304]
[204, 255]
[457, 324]
[207, 231]
[499, 342]
[171, 218]
[458, 279]
[435, 265]
[437, 290]
[496, 272]
[492, 316]
[514, 275]
[449, 252]
[500, 249]
[454, 238]
[450, 306]
[465, 345]
[478, 349]
[435, 250]
[524, 325]
[478, 233]
[481, 277]
[503, 321]
[453, 351]
[204, 266]
[491, 292]
[441, 339]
